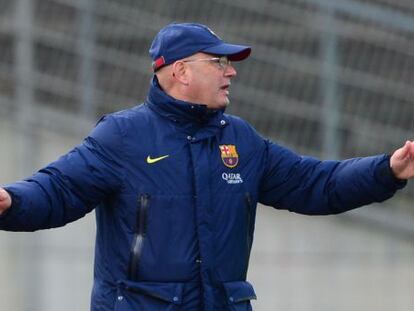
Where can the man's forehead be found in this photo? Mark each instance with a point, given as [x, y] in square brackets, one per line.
[199, 55]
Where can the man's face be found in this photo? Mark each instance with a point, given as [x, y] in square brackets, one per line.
[209, 81]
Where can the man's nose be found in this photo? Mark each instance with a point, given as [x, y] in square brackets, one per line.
[230, 71]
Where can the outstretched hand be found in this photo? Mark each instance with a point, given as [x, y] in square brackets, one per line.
[402, 161]
[5, 200]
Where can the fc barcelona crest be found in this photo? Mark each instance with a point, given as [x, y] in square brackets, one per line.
[229, 155]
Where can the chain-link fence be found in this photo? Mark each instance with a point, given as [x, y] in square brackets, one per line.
[327, 78]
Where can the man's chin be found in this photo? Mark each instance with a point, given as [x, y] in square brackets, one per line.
[221, 105]
[225, 103]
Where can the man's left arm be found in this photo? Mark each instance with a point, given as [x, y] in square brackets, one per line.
[307, 185]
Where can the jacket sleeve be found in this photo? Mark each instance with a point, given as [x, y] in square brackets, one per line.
[309, 186]
[70, 187]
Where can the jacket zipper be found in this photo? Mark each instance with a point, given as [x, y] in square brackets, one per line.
[249, 205]
[249, 231]
[139, 236]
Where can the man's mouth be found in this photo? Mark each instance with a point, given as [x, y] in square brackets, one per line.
[225, 88]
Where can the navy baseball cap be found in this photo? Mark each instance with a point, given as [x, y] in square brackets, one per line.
[176, 41]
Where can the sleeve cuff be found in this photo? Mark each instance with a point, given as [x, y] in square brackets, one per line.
[386, 176]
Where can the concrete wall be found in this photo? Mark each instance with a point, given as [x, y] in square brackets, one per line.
[302, 263]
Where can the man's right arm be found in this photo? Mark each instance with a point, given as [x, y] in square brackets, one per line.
[5, 201]
[67, 189]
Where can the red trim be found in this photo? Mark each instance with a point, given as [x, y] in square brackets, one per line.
[158, 63]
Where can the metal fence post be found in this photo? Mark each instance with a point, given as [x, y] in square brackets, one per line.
[331, 99]
[28, 246]
[86, 48]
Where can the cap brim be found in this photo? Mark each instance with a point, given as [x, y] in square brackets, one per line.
[234, 52]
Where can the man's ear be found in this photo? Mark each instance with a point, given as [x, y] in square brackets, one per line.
[180, 72]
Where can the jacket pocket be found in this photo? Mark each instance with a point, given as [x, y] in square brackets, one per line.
[238, 295]
[139, 236]
[154, 296]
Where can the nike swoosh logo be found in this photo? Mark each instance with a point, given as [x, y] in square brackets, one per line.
[154, 160]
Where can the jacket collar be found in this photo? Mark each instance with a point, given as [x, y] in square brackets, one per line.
[181, 111]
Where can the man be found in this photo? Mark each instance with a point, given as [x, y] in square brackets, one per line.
[175, 183]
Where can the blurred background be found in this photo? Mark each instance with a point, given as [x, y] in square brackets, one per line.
[328, 78]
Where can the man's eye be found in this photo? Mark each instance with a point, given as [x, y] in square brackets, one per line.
[224, 62]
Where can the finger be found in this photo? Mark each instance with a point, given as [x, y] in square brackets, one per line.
[411, 148]
[408, 150]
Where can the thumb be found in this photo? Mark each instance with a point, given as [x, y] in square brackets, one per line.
[5, 200]
[3, 194]
[401, 153]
